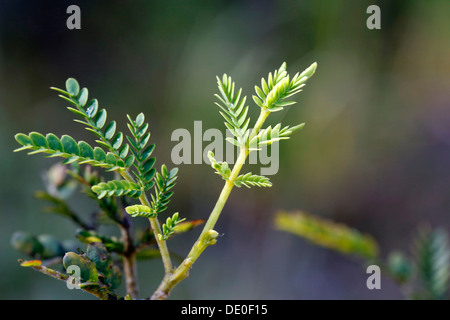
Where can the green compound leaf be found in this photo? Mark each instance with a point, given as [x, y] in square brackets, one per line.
[165, 181]
[38, 140]
[54, 143]
[94, 119]
[144, 163]
[86, 150]
[221, 168]
[273, 93]
[169, 227]
[139, 210]
[70, 145]
[270, 135]
[250, 179]
[117, 188]
[68, 148]
[234, 110]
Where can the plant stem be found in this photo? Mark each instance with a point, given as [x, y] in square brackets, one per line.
[130, 271]
[208, 235]
[156, 228]
[101, 292]
[129, 259]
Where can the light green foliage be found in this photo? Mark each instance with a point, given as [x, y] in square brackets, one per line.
[270, 135]
[139, 210]
[250, 179]
[233, 111]
[169, 227]
[327, 233]
[133, 161]
[221, 168]
[273, 93]
[100, 274]
[247, 179]
[117, 188]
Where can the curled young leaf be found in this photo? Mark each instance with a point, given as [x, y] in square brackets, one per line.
[140, 211]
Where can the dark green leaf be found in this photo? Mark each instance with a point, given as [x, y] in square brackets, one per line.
[144, 140]
[76, 111]
[23, 139]
[111, 158]
[147, 151]
[172, 173]
[99, 154]
[129, 161]
[104, 144]
[92, 108]
[150, 174]
[148, 165]
[38, 140]
[54, 143]
[124, 151]
[69, 145]
[86, 150]
[110, 130]
[101, 118]
[118, 139]
[83, 97]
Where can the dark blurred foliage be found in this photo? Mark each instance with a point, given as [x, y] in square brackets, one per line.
[374, 154]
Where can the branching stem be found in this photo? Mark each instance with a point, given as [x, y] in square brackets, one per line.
[156, 228]
[129, 261]
[208, 235]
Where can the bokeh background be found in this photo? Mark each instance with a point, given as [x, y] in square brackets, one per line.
[374, 154]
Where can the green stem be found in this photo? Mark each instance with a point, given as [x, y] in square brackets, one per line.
[208, 235]
[156, 228]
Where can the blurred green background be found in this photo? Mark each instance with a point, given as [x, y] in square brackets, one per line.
[374, 154]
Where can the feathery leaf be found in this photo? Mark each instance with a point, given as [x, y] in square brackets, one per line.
[67, 147]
